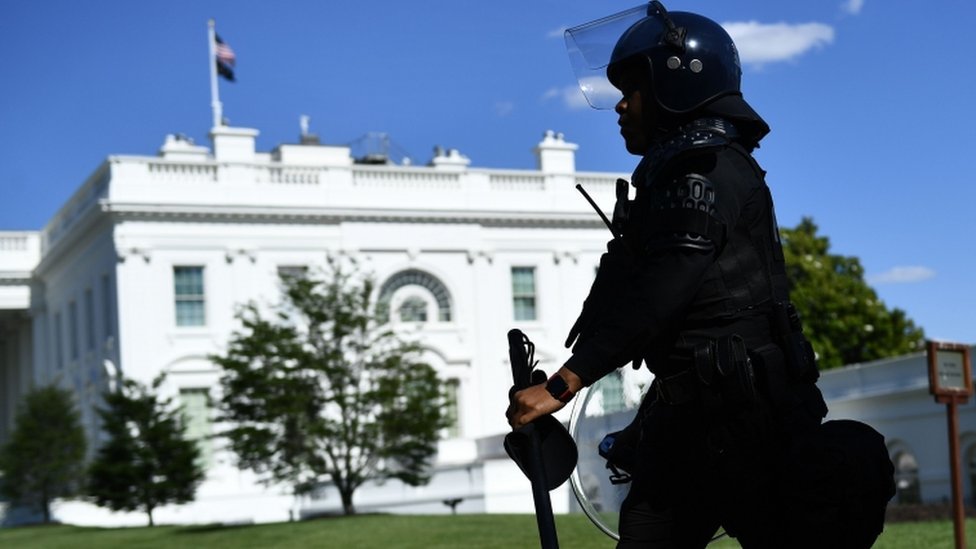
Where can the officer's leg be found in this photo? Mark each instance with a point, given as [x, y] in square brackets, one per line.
[689, 522]
[751, 500]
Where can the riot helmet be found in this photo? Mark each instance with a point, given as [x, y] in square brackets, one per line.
[691, 63]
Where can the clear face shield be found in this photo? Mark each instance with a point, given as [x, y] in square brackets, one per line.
[593, 46]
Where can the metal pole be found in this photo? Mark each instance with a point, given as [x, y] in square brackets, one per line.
[958, 512]
[545, 520]
[218, 110]
[535, 463]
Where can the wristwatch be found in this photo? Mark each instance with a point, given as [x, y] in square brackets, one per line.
[559, 389]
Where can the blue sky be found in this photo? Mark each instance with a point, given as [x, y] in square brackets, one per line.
[871, 104]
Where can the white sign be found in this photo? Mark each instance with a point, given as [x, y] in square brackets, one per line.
[950, 369]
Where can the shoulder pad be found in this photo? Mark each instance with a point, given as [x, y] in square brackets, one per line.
[698, 137]
[682, 215]
[689, 191]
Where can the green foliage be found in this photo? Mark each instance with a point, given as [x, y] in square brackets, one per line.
[842, 315]
[321, 388]
[147, 461]
[45, 454]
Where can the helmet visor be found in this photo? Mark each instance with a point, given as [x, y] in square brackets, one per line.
[593, 46]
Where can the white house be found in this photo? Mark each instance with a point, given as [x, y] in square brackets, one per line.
[141, 269]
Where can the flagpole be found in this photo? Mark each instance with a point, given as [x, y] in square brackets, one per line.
[218, 110]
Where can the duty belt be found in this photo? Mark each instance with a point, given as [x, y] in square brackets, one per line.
[678, 388]
[681, 383]
[714, 364]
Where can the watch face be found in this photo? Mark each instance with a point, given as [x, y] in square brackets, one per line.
[556, 384]
[558, 388]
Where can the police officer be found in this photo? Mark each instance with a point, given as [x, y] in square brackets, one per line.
[693, 285]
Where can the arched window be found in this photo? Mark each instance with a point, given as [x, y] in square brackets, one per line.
[413, 309]
[970, 464]
[906, 477]
[421, 279]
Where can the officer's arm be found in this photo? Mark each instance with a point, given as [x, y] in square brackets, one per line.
[680, 242]
[666, 286]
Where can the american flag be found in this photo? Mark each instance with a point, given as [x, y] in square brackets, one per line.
[225, 59]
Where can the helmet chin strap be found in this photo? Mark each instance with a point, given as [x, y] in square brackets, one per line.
[675, 36]
[656, 120]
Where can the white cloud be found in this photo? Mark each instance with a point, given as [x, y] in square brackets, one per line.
[758, 44]
[504, 108]
[599, 90]
[558, 33]
[853, 7]
[761, 43]
[902, 275]
[571, 97]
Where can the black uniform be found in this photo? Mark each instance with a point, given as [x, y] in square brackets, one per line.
[695, 287]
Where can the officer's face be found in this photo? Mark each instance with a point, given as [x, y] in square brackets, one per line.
[630, 109]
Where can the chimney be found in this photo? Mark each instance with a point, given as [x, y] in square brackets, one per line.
[181, 147]
[233, 144]
[554, 155]
[450, 159]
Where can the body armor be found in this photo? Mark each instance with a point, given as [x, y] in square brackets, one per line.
[694, 285]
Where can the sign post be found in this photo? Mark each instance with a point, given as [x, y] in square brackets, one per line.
[951, 382]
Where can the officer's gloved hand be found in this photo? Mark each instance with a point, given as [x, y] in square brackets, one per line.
[617, 266]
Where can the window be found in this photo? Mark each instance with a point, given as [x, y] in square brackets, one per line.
[413, 309]
[196, 412]
[906, 478]
[414, 277]
[73, 329]
[451, 389]
[89, 320]
[58, 341]
[523, 292]
[287, 274]
[107, 305]
[612, 393]
[188, 289]
[292, 271]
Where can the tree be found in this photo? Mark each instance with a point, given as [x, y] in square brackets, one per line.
[45, 454]
[323, 389]
[147, 461]
[842, 315]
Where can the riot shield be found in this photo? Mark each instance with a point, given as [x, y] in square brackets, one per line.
[607, 406]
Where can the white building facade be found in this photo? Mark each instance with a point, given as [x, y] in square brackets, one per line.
[142, 269]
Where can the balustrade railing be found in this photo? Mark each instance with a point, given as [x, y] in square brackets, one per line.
[517, 182]
[407, 178]
[14, 243]
[172, 171]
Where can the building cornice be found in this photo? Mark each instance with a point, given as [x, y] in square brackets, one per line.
[316, 215]
[79, 226]
[14, 278]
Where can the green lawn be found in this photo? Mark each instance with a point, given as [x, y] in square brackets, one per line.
[394, 532]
